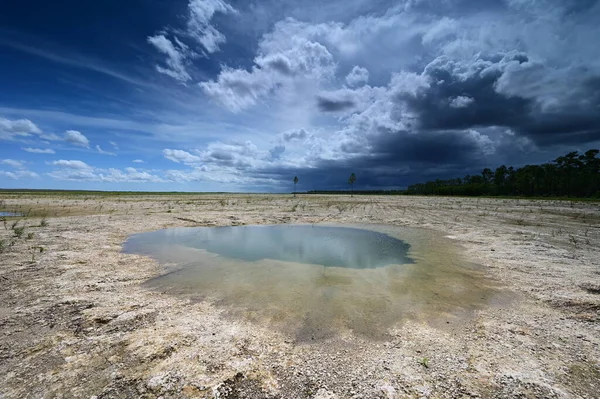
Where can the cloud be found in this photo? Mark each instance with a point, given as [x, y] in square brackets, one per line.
[138, 161]
[76, 138]
[333, 102]
[460, 102]
[233, 154]
[357, 77]
[295, 135]
[177, 55]
[19, 174]
[198, 24]
[128, 175]
[115, 145]
[101, 151]
[198, 28]
[180, 156]
[231, 162]
[506, 89]
[394, 91]
[276, 69]
[39, 150]
[11, 129]
[14, 163]
[71, 164]
[276, 152]
[75, 170]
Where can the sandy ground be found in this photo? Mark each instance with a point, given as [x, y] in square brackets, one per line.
[75, 320]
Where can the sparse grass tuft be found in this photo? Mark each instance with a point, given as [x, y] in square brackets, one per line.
[19, 231]
[424, 362]
[573, 240]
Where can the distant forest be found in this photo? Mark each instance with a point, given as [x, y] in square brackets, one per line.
[571, 175]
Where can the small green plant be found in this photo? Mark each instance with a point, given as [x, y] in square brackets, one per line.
[35, 250]
[19, 231]
[30, 235]
[424, 362]
[44, 222]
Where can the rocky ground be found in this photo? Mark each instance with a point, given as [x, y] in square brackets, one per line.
[76, 322]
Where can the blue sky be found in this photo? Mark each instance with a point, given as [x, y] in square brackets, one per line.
[215, 95]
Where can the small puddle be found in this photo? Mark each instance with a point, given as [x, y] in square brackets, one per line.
[10, 214]
[318, 280]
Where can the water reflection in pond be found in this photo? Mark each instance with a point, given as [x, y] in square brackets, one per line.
[315, 281]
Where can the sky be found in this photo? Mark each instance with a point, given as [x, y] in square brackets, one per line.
[223, 95]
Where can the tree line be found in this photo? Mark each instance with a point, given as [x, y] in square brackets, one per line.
[571, 175]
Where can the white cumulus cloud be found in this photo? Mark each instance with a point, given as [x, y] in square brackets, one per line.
[275, 70]
[461, 102]
[358, 76]
[71, 164]
[180, 156]
[10, 129]
[76, 138]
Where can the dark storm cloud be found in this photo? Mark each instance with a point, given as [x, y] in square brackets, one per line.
[397, 159]
[332, 104]
[544, 104]
[455, 147]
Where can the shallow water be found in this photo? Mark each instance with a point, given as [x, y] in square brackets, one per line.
[317, 245]
[10, 214]
[316, 281]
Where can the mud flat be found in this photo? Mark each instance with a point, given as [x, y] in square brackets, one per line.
[77, 318]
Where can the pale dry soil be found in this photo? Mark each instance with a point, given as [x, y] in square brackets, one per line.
[77, 322]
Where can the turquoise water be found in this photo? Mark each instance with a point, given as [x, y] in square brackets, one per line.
[307, 244]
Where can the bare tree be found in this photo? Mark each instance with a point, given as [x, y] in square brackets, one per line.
[351, 181]
[295, 182]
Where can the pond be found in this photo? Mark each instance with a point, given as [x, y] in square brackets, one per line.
[318, 245]
[318, 280]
